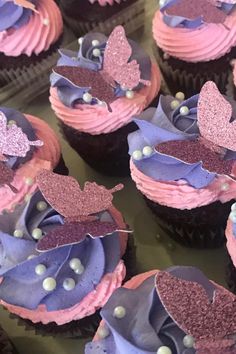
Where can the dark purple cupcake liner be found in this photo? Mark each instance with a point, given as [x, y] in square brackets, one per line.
[231, 275]
[6, 346]
[190, 77]
[202, 227]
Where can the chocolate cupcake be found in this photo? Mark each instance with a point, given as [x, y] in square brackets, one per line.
[177, 311]
[94, 95]
[83, 16]
[183, 162]
[195, 43]
[64, 248]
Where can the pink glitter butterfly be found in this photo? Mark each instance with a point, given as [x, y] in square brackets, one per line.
[194, 9]
[212, 324]
[7, 176]
[13, 142]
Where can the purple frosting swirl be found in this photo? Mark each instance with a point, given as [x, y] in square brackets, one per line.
[180, 21]
[162, 124]
[98, 256]
[12, 15]
[146, 326]
[68, 93]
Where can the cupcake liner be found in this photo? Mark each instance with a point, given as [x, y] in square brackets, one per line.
[202, 227]
[61, 167]
[231, 275]
[131, 17]
[190, 77]
[106, 153]
[6, 346]
[87, 326]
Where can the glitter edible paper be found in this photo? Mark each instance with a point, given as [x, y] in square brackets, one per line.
[73, 233]
[6, 176]
[196, 8]
[64, 194]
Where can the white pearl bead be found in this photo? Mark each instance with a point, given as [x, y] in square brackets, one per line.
[46, 21]
[96, 52]
[232, 216]
[37, 234]
[95, 43]
[31, 257]
[18, 233]
[224, 187]
[75, 263]
[124, 88]
[137, 155]
[129, 94]
[188, 341]
[166, 56]
[87, 97]
[11, 122]
[180, 96]
[147, 151]
[164, 350]
[80, 40]
[69, 284]
[49, 284]
[184, 110]
[119, 312]
[27, 198]
[41, 206]
[162, 2]
[29, 181]
[40, 269]
[103, 332]
[79, 270]
[233, 207]
[174, 104]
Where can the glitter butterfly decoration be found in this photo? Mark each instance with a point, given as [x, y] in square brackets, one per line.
[202, 11]
[212, 323]
[26, 4]
[116, 69]
[64, 195]
[218, 134]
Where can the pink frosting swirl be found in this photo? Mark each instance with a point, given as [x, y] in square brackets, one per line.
[98, 120]
[27, 40]
[231, 241]
[46, 157]
[180, 195]
[207, 42]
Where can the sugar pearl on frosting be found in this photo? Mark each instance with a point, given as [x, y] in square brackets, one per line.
[87, 97]
[95, 42]
[40, 269]
[129, 94]
[27, 198]
[137, 155]
[37, 233]
[11, 122]
[46, 21]
[188, 341]
[180, 96]
[49, 284]
[80, 40]
[184, 110]
[119, 312]
[31, 257]
[41, 206]
[18, 233]
[79, 270]
[103, 332]
[224, 187]
[233, 207]
[162, 2]
[75, 263]
[166, 56]
[232, 216]
[147, 151]
[174, 104]
[69, 284]
[96, 52]
[29, 181]
[164, 350]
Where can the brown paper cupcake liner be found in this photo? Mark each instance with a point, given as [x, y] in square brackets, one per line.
[6, 346]
[202, 227]
[61, 167]
[231, 275]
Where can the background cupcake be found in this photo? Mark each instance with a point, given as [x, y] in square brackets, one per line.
[183, 162]
[27, 145]
[142, 317]
[84, 15]
[21, 48]
[65, 250]
[95, 93]
[196, 41]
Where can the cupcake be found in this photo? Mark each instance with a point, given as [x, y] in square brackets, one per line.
[177, 311]
[183, 162]
[61, 255]
[27, 145]
[21, 48]
[84, 15]
[95, 93]
[6, 347]
[195, 43]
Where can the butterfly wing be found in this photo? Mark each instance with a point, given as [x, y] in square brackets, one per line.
[214, 115]
[6, 176]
